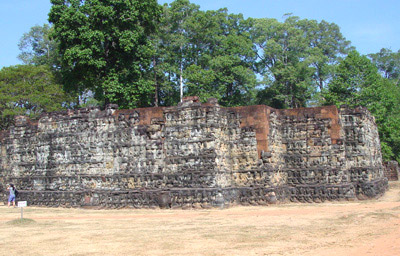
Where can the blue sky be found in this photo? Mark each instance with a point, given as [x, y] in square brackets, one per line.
[369, 24]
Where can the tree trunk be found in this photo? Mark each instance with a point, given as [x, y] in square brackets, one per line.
[155, 83]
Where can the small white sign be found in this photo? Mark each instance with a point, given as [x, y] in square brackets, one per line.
[22, 203]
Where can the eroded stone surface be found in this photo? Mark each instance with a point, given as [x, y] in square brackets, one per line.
[392, 170]
[193, 155]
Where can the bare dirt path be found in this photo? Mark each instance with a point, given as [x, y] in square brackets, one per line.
[334, 228]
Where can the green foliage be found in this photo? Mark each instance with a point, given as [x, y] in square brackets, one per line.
[37, 48]
[21, 222]
[354, 78]
[384, 104]
[171, 44]
[211, 52]
[283, 49]
[388, 63]
[223, 70]
[28, 90]
[105, 48]
[386, 108]
[357, 82]
[326, 46]
[296, 59]
[90, 102]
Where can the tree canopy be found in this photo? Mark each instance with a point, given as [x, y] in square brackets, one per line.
[354, 81]
[37, 48]
[29, 90]
[209, 52]
[105, 47]
[296, 59]
[357, 82]
[388, 63]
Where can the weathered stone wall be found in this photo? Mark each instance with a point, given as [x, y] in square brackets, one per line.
[193, 155]
[391, 170]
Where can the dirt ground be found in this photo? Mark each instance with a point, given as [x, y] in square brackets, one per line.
[334, 228]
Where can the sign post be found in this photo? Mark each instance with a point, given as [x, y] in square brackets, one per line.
[22, 204]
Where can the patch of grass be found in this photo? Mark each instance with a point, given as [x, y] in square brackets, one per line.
[395, 208]
[348, 218]
[21, 222]
[394, 184]
[381, 215]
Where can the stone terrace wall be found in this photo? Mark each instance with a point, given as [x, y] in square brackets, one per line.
[193, 155]
[392, 170]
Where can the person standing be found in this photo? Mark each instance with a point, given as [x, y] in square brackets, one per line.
[11, 198]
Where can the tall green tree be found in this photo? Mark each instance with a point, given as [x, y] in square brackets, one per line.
[172, 44]
[357, 82]
[388, 63]
[29, 90]
[209, 52]
[283, 62]
[296, 58]
[37, 48]
[221, 57]
[105, 48]
[354, 82]
[386, 109]
[326, 47]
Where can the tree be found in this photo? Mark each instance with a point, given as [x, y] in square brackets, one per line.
[386, 110]
[209, 52]
[283, 62]
[105, 48]
[37, 48]
[220, 58]
[354, 82]
[326, 47]
[357, 82]
[296, 59]
[172, 44]
[28, 90]
[388, 63]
